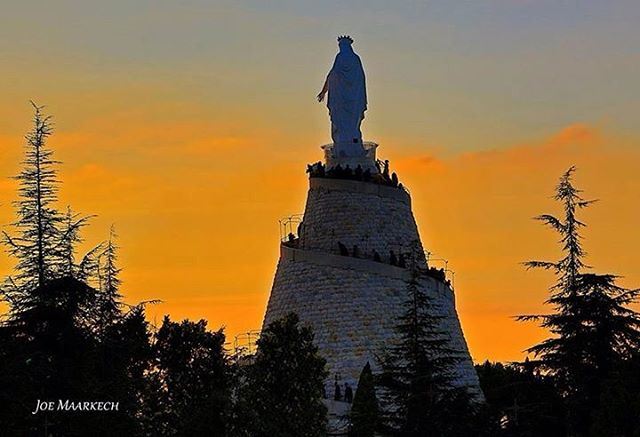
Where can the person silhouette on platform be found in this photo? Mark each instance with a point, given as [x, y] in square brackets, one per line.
[348, 393]
[393, 260]
[337, 396]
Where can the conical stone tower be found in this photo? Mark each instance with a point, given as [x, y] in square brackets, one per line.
[345, 275]
[345, 272]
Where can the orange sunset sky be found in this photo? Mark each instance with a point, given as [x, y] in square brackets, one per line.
[189, 125]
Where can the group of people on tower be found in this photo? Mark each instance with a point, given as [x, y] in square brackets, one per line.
[382, 177]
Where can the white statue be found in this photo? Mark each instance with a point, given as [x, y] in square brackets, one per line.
[347, 100]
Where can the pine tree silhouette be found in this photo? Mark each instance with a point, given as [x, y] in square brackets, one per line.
[416, 387]
[109, 303]
[365, 413]
[593, 328]
[70, 237]
[37, 243]
[48, 346]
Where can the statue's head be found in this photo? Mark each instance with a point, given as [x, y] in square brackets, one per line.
[344, 42]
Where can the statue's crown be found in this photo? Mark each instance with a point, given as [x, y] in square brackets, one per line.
[346, 38]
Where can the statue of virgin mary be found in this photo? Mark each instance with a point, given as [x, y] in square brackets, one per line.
[347, 100]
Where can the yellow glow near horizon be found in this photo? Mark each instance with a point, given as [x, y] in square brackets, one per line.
[197, 217]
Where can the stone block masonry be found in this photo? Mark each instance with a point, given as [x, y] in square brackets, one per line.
[353, 303]
[354, 213]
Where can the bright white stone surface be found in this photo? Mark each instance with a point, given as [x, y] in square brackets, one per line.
[367, 160]
[353, 304]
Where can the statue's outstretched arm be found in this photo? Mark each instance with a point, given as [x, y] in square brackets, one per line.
[325, 88]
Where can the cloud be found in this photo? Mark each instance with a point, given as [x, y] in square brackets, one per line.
[575, 134]
[427, 162]
[575, 138]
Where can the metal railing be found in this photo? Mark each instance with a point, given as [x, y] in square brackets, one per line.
[289, 226]
[289, 233]
[449, 274]
[245, 343]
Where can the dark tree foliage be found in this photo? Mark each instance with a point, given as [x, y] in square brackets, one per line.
[109, 302]
[592, 326]
[110, 272]
[416, 379]
[365, 412]
[195, 389]
[48, 355]
[70, 237]
[50, 352]
[521, 403]
[48, 346]
[124, 355]
[282, 390]
[86, 270]
[65, 339]
[37, 243]
[619, 409]
[44, 241]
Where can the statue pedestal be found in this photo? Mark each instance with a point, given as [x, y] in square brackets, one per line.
[366, 160]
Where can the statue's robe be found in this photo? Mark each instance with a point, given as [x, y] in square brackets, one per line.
[347, 102]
